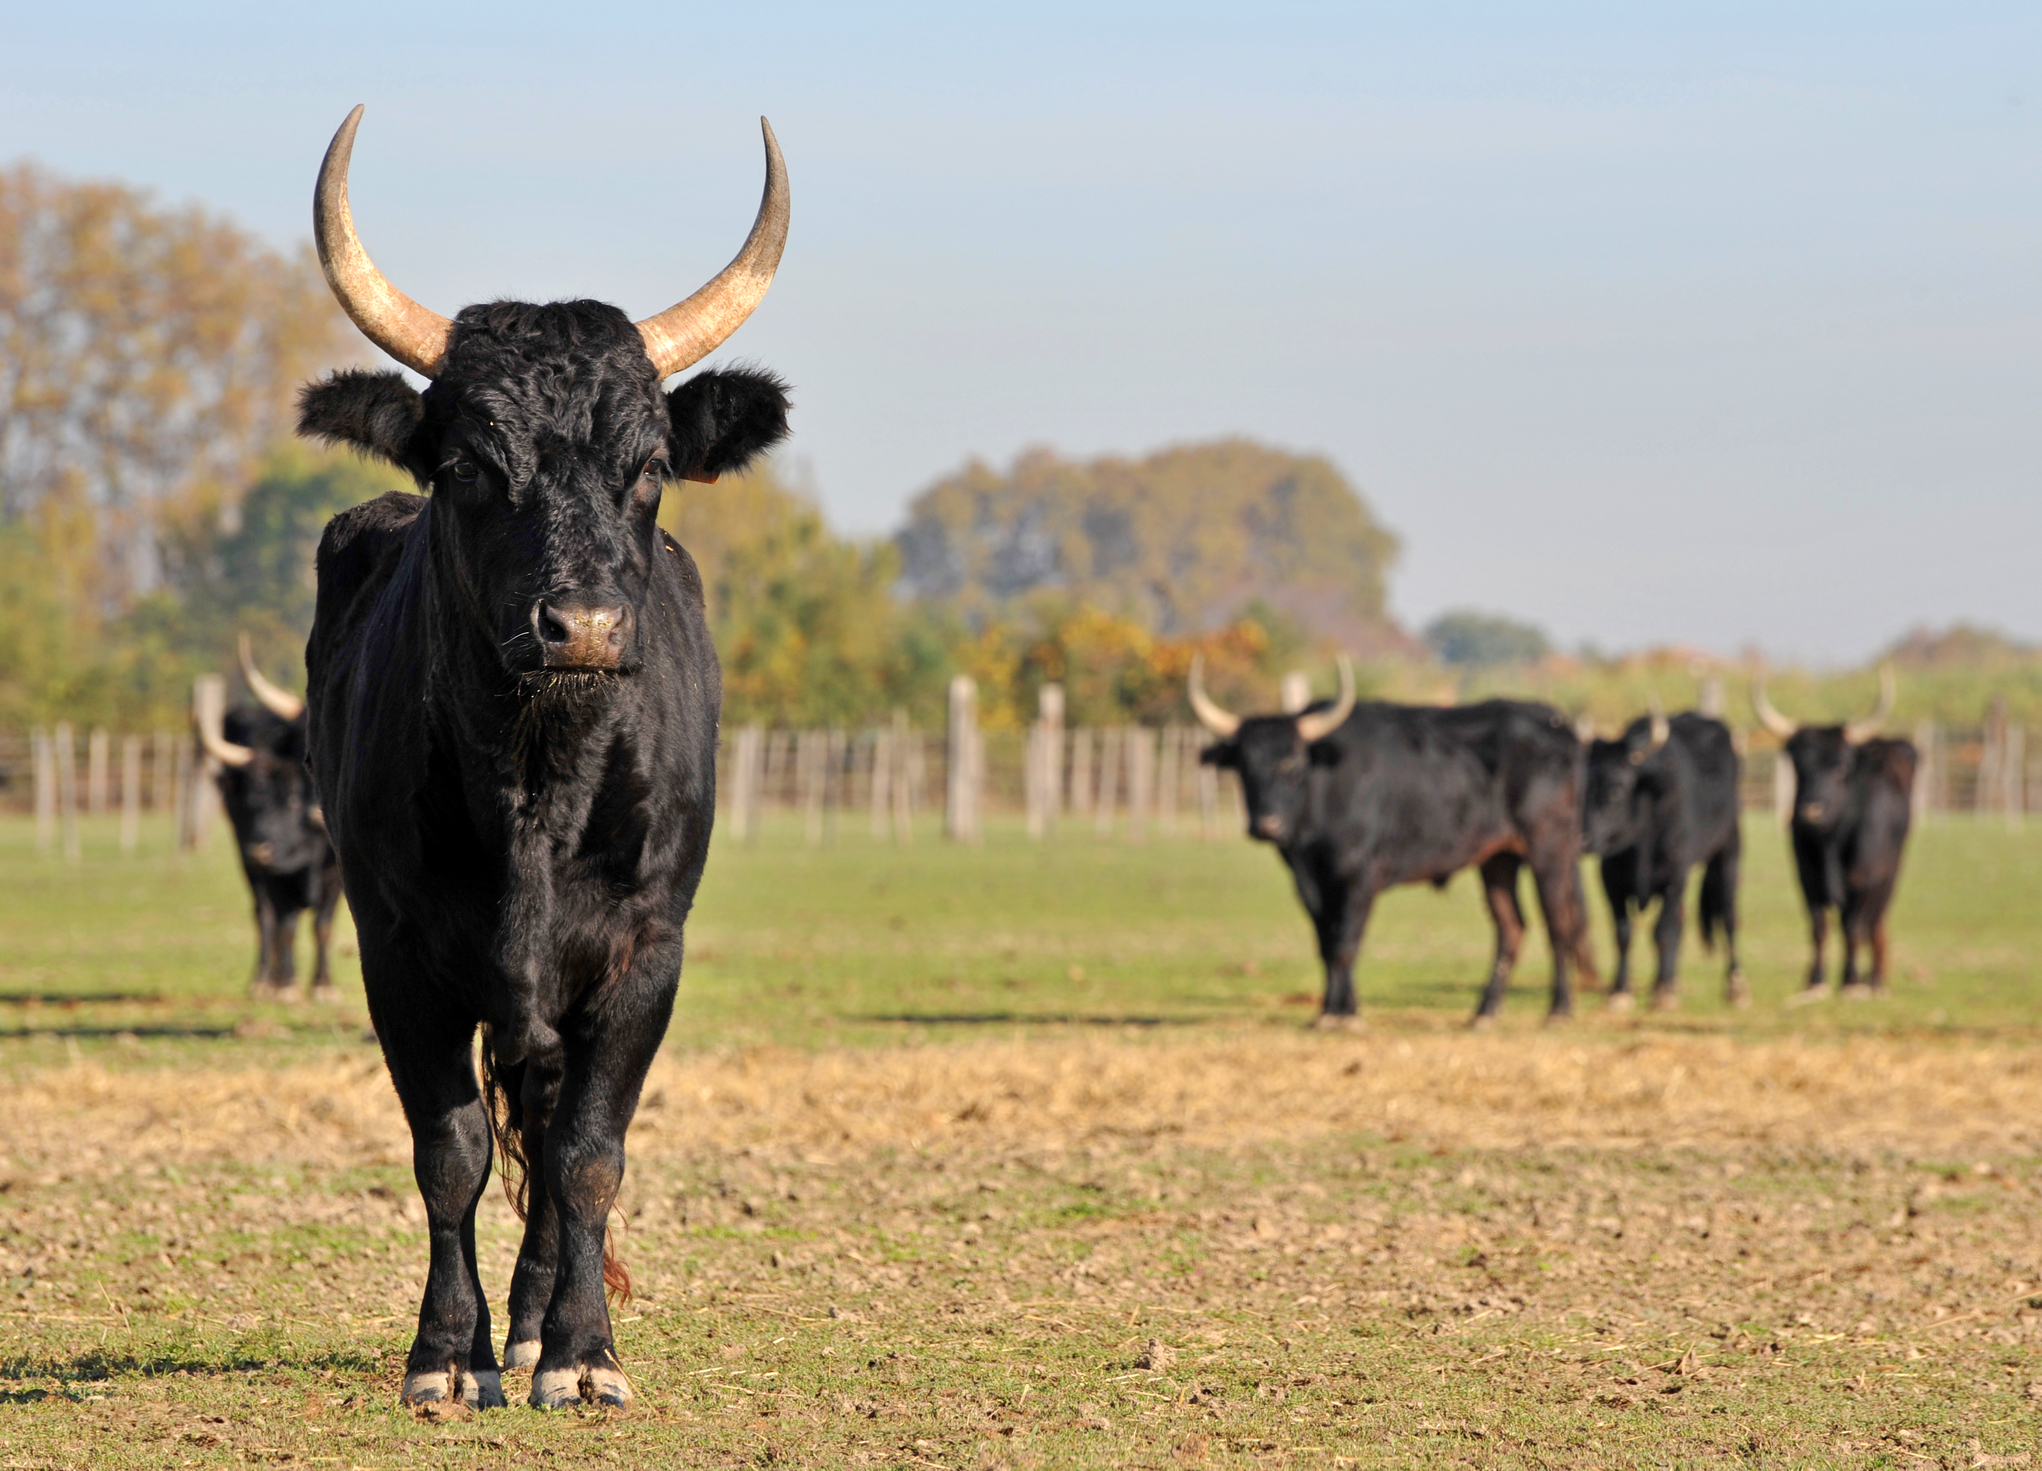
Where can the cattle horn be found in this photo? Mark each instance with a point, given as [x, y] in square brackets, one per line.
[1857, 731]
[279, 702]
[1320, 724]
[689, 331]
[1661, 727]
[407, 331]
[208, 701]
[1770, 718]
[1211, 716]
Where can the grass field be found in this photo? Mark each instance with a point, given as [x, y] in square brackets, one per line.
[1024, 1155]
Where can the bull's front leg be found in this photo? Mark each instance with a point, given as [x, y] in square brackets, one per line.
[1340, 930]
[1619, 882]
[431, 1064]
[606, 1056]
[322, 938]
[1499, 889]
[534, 1087]
[1666, 936]
[1556, 875]
[1818, 936]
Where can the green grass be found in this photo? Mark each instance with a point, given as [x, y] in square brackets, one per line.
[1378, 1299]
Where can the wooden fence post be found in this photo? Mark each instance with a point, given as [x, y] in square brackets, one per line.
[1081, 772]
[131, 792]
[881, 790]
[906, 746]
[744, 784]
[45, 760]
[161, 798]
[1169, 767]
[963, 784]
[201, 788]
[97, 749]
[2014, 774]
[1044, 770]
[1106, 791]
[1783, 790]
[1927, 772]
[1208, 802]
[1141, 780]
[67, 789]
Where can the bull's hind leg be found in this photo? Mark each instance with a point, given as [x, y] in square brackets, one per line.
[1666, 935]
[1619, 883]
[1499, 888]
[605, 1061]
[432, 1066]
[1719, 908]
[1818, 936]
[322, 939]
[1556, 873]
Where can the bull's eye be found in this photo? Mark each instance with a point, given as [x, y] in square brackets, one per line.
[465, 471]
[656, 470]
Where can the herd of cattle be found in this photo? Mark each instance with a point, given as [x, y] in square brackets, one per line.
[509, 746]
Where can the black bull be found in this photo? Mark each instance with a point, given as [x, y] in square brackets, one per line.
[1663, 799]
[514, 704]
[1400, 794]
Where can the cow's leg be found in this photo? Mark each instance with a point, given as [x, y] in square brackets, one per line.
[431, 1064]
[1719, 908]
[1556, 873]
[1666, 938]
[1863, 921]
[283, 975]
[1340, 932]
[1499, 889]
[322, 937]
[605, 1060]
[1618, 885]
[532, 1086]
[1818, 935]
[260, 987]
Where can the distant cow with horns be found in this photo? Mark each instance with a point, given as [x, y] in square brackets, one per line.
[1360, 796]
[279, 832]
[1853, 798]
[514, 704]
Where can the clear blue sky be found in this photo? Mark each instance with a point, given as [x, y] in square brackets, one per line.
[1713, 323]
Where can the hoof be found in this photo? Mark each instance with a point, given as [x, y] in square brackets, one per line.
[609, 1387]
[1667, 1000]
[1482, 1022]
[521, 1355]
[326, 995]
[428, 1387]
[482, 1390]
[1856, 991]
[1735, 991]
[1559, 1018]
[1619, 1001]
[1327, 1021]
[555, 1389]
[1808, 996]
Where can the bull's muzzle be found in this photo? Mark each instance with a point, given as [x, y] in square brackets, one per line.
[578, 635]
[1270, 827]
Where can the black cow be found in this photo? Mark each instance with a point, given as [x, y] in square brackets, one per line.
[1662, 798]
[1359, 797]
[514, 711]
[1853, 798]
[278, 831]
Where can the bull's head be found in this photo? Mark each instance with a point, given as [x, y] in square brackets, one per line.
[1618, 772]
[1273, 754]
[1822, 753]
[264, 784]
[544, 437]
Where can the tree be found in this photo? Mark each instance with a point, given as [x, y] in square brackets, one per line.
[1178, 542]
[1480, 639]
[147, 358]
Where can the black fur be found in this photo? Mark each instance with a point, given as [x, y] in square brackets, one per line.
[281, 838]
[722, 419]
[522, 842]
[1413, 793]
[1652, 816]
[1852, 808]
[377, 413]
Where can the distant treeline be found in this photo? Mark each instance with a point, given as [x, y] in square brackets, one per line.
[152, 508]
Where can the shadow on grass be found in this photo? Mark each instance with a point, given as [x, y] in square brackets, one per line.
[99, 1366]
[1020, 1018]
[70, 1000]
[204, 1034]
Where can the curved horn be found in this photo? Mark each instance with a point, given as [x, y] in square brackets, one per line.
[279, 702]
[1770, 718]
[1857, 731]
[684, 334]
[407, 331]
[1211, 716]
[1318, 726]
[1662, 728]
[207, 696]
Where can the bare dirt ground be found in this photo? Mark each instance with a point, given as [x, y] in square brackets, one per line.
[1612, 1246]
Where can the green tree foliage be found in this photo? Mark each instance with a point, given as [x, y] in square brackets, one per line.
[1478, 640]
[1178, 542]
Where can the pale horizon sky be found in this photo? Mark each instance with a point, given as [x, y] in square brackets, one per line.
[1717, 326]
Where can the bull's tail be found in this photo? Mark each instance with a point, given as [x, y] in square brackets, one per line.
[505, 1106]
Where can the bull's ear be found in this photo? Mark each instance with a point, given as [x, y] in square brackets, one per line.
[724, 419]
[1226, 753]
[377, 413]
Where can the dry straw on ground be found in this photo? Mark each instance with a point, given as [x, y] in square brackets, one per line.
[1869, 1096]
